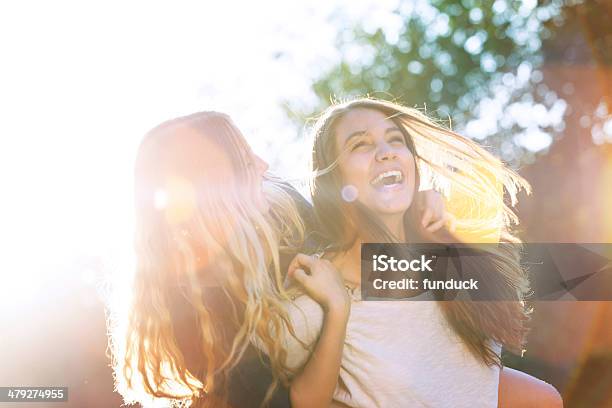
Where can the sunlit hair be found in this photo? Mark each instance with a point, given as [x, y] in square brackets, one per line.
[191, 211]
[475, 179]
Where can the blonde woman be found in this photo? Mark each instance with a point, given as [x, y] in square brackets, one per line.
[212, 230]
[369, 159]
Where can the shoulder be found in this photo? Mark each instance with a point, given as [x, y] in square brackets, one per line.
[518, 389]
[306, 316]
[306, 319]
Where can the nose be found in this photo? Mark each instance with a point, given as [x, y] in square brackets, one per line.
[385, 152]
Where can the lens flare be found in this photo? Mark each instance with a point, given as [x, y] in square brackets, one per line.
[350, 193]
[180, 200]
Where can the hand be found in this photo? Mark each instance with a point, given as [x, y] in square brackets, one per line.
[321, 281]
[434, 213]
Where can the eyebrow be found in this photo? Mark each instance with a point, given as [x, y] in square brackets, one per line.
[358, 133]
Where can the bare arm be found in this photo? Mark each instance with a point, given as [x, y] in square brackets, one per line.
[315, 385]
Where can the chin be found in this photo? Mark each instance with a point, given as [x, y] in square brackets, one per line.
[387, 209]
[387, 212]
[390, 203]
[393, 205]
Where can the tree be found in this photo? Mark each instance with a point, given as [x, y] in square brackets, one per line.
[473, 63]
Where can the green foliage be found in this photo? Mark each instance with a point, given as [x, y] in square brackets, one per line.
[449, 56]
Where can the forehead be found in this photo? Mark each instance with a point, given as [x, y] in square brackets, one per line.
[362, 119]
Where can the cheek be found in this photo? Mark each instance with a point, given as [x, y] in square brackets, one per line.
[354, 170]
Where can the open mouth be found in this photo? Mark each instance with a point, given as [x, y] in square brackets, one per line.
[388, 179]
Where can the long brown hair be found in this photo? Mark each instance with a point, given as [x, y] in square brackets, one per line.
[470, 175]
[192, 210]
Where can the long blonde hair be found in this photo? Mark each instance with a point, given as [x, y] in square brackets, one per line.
[468, 173]
[190, 211]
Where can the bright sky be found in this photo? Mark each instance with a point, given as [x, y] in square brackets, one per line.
[82, 81]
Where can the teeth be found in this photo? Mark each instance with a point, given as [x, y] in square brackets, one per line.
[392, 173]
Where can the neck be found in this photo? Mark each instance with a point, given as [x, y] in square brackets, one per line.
[395, 224]
[349, 263]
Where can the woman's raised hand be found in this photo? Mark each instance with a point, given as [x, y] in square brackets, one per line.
[435, 215]
[321, 281]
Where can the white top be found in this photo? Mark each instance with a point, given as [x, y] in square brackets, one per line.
[398, 354]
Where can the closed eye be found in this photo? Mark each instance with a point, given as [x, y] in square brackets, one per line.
[357, 145]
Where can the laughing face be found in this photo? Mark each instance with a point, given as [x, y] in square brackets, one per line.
[375, 162]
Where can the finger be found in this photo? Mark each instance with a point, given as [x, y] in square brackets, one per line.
[292, 266]
[438, 214]
[436, 225]
[300, 276]
[452, 223]
[294, 262]
[304, 260]
[446, 219]
[435, 200]
[297, 261]
[427, 214]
